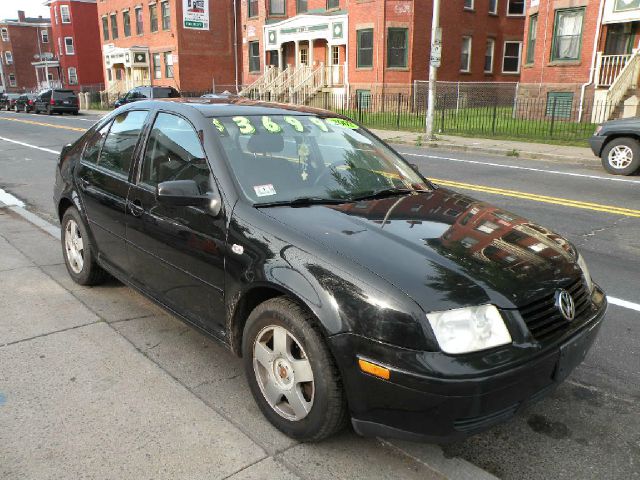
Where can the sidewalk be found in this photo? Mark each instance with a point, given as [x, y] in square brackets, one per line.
[491, 146]
[101, 383]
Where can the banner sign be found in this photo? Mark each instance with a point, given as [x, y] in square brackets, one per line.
[195, 14]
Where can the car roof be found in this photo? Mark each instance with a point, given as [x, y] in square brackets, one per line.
[236, 105]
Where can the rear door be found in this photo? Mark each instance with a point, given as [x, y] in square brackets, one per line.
[43, 100]
[177, 253]
[65, 98]
[103, 180]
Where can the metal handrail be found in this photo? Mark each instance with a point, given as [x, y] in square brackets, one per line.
[610, 67]
[626, 80]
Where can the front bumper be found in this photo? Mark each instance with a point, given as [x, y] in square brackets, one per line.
[422, 402]
[596, 142]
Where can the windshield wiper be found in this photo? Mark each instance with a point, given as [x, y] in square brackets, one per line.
[383, 193]
[301, 202]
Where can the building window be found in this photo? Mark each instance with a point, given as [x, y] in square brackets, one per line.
[8, 58]
[254, 56]
[277, 7]
[515, 7]
[65, 15]
[139, 21]
[68, 46]
[55, 14]
[126, 24]
[157, 68]
[531, 39]
[72, 73]
[624, 5]
[468, 4]
[114, 26]
[363, 97]
[488, 55]
[168, 64]
[559, 104]
[364, 55]
[4, 33]
[567, 34]
[302, 6]
[109, 77]
[60, 52]
[166, 15]
[397, 46]
[252, 8]
[333, 4]
[12, 80]
[511, 57]
[44, 34]
[105, 28]
[153, 17]
[465, 55]
[493, 7]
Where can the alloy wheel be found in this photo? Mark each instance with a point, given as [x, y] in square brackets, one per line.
[283, 373]
[620, 157]
[74, 246]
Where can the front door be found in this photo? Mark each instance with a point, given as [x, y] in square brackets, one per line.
[304, 55]
[335, 65]
[103, 179]
[177, 253]
[619, 39]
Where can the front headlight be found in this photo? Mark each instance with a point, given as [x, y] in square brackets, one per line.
[585, 272]
[469, 329]
[598, 129]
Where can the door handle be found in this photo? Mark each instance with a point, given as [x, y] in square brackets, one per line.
[84, 183]
[135, 208]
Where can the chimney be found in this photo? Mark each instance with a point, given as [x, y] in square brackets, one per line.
[21, 15]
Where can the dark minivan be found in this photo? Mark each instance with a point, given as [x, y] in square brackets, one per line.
[352, 286]
[146, 93]
[57, 101]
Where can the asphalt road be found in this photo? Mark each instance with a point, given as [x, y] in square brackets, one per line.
[590, 427]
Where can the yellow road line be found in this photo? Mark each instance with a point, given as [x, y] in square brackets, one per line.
[52, 125]
[565, 202]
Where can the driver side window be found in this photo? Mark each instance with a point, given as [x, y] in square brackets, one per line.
[174, 152]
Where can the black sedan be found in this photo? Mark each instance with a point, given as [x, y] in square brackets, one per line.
[352, 286]
[25, 103]
[617, 143]
[8, 101]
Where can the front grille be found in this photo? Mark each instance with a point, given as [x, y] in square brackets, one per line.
[474, 424]
[544, 319]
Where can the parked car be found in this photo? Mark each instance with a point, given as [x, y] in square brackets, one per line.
[146, 93]
[8, 100]
[57, 101]
[617, 143]
[352, 286]
[221, 96]
[25, 103]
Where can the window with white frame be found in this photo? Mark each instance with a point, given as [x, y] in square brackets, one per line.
[493, 7]
[465, 55]
[44, 34]
[4, 33]
[72, 74]
[511, 57]
[488, 55]
[468, 4]
[157, 68]
[60, 52]
[8, 57]
[168, 64]
[515, 7]
[55, 14]
[12, 80]
[65, 15]
[69, 49]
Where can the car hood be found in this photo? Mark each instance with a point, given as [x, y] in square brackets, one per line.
[443, 249]
[626, 123]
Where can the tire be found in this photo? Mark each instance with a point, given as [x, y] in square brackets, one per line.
[323, 405]
[75, 113]
[621, 156]
[15, 109]
[89, 272]
[26, 109]
[49, 112]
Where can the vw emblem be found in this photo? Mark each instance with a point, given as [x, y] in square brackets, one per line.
[564, 302]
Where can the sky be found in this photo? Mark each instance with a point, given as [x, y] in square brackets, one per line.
[32, 8]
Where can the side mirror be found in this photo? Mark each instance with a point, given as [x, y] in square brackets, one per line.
[185, 193]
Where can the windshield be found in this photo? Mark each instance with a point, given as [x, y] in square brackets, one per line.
[283, 158]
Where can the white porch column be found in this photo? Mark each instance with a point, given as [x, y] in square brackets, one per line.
[311, 53]
[296, 63]
[281, 58]
[329, 70]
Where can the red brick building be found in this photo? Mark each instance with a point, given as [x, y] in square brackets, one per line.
[77, 43]
[28, 60]
[187, 44]
[378, 45]
[582, 55]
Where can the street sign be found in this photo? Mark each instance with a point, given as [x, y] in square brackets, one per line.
[436, 49]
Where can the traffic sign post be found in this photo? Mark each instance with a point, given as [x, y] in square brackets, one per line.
[434, 63]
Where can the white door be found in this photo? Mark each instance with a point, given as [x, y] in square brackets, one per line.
[304, 55]
[335, 65]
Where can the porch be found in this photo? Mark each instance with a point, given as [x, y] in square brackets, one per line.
[126, 68]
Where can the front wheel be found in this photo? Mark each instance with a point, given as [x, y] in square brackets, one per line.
[291, 372]
[621, 156]
[15, 109]
[77, 250]
[26, 109]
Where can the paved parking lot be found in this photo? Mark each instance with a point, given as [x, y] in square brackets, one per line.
[99, 382]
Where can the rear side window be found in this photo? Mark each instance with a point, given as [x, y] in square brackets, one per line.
[165, 93]
[92, 147]
[117, 152]
[174, 152]
[63, 94]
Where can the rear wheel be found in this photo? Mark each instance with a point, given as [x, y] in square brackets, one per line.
[49, 112]
[291, 372]
[78, 250]
[15, 108]
[621, 156]
[26, 109]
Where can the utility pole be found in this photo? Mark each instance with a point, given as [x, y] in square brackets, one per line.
[434, 63]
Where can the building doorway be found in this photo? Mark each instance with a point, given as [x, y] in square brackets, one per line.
[619, 40]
